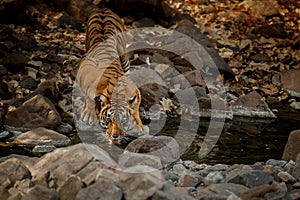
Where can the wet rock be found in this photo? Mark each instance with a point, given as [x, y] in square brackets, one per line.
[220, 191]
[188, 28]
[14, 62]
[290, 81]
[102, 189]
[129, 159]
[252, 179]
[140, 182]
[164, 147]
[36, 112]
[28, 83]
[40, 192]
[42, 135]
[260, 58]
[70, 188]
[251, 105]
[292, 147]
[12, 170]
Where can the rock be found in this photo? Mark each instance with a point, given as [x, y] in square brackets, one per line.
[275, 30]
[3, 70]
[144, 22]
[46, 67]
[44, 147]
[65, 128]
[286, 177]
[164, 70]
[4, 92]
[140, 182]
[12, 170]
[23, 186]
[185, 96]
[27, 161]
[251, 105]
[28, 83]
[14, 62]
[171, 195]
[67, 20]
[292, 147]
[220, 191]
[213, 178]
[290, 81]
[42, 135]
[129, 159]
[152, 93]
[187, 180]
[188, 28]
[179, 169]
[36, 112]
[102, 189]
[52, 58]
[279, 163]
[48, 89]
[80, 159]
[188, 79]
[296, 171]
[164, 147]
[261, 57]
[70, 188]
[109, 175]
[295, 105]
[40, 192]
[4, 135]
[252, 179]
[171, 176]
[260, 8]
[257, 192]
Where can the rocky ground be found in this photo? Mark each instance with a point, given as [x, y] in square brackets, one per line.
[254, 46]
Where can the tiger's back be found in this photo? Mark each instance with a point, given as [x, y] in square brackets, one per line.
[101, 77]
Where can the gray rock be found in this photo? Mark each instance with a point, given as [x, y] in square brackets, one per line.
[292, 147]
[65, 128]
[109, 175]
[279, 163]
[140, 182]
[220, 191]
[40, 192]
[214, 177]
[102, 189]
[252, 179]
[36, 112]
[4, 134]
[40, 136]
[44, 147]
[164, 147]
[179, 169]
[171, 195]
[286, 177]
[295, 105]
[12, 170]
[171, 176]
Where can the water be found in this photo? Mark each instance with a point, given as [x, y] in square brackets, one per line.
[243, 141]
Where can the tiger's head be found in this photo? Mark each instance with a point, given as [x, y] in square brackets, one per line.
[117, 110]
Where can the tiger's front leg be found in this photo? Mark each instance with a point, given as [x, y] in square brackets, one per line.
[89, 115]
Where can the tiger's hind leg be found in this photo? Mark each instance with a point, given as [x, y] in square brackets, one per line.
[89, 115]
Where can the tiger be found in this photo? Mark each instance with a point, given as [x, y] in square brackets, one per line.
[111, 97]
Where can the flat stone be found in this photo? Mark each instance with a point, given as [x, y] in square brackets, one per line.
[140, 182]
[164, 147]
[292, 147]
[36, 112]
[102, 189]
[40, 192]
[39, 136]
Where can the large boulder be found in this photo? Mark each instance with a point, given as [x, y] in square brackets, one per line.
[292, 147]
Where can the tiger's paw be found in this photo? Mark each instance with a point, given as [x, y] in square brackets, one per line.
[88, 115]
